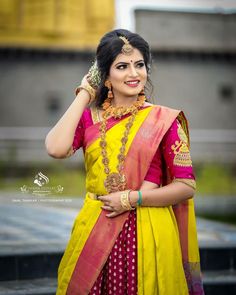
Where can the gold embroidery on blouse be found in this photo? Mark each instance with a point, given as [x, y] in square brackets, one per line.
[182, 135]
[181, 150]
[182, 156]
[184, 124]
[189, 182]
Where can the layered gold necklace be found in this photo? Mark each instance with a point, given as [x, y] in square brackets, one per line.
[116, 181]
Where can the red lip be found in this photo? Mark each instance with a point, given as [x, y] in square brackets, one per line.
[132, 83]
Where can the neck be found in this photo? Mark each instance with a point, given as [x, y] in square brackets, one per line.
[124, 101]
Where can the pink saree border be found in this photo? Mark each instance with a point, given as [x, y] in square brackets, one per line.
[181, 215]
[149, 137]
[91, 259]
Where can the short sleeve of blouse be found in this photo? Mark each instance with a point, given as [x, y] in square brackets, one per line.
[84, 122]
[176, 154]
[78, 136]
[154, 173]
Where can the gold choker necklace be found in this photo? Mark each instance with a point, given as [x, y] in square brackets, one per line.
[116, 181]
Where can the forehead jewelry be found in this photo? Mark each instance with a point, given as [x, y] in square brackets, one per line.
[127, 47]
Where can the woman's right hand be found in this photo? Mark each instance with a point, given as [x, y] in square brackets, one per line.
[86, 87]
[84, 81]
[60, 138]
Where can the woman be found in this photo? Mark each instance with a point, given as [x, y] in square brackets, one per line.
[136, 232]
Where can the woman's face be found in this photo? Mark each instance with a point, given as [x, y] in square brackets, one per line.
[128, 74]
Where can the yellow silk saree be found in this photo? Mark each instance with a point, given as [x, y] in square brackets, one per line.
[168, 257]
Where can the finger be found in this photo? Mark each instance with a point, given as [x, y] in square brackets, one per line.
[113, 214]
[108, 208]
[103, 198]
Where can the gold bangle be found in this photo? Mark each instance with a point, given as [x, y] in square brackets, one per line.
[133, 208]
[89, 89]
[124, 200]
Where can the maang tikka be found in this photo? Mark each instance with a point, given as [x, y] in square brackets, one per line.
[127, 47]
[94, 75]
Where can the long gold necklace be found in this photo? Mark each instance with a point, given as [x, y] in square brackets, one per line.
[116, 181]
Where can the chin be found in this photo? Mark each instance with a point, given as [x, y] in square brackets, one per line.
[133, 92]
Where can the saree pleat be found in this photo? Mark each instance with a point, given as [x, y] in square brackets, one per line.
[158, 238]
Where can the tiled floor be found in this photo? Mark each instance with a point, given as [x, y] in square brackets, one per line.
[30, 224]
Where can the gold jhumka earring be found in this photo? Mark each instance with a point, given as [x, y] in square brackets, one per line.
[108, 85]
[107, 101]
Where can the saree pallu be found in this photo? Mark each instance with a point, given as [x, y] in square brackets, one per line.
[168, 256]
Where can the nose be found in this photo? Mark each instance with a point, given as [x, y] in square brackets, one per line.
[133, 71]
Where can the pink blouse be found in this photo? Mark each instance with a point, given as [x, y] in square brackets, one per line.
[173, 150]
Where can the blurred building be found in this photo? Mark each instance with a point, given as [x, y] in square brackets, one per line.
[47, 46]
[193, 45]
[194, 56]
[54, 23]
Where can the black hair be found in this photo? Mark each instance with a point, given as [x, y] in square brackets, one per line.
[109, 47]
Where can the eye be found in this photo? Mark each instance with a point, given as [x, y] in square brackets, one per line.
[121, 67]
[140, 64]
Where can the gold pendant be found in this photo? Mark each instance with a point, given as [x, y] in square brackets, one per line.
[115, 182]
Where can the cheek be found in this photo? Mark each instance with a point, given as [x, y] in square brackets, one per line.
[117, 78]
[144, 76]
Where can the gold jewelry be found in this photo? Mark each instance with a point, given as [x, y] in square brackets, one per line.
[124, 200]
[118, 112]
[109, 94]
[127, 47]
[133, 208]
[116, 181]
[89, 89]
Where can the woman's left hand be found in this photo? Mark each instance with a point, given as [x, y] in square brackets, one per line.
[112, 203]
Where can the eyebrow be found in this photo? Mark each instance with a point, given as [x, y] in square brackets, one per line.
[126, 63]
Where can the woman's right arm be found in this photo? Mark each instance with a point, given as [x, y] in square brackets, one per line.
[59, 140]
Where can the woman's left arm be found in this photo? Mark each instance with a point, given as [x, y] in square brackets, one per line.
[168, 195]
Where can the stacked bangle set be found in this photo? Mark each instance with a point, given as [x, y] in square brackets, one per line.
[89, 89]
[125, 200]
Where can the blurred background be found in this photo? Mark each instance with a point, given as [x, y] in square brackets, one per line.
[47, 46]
